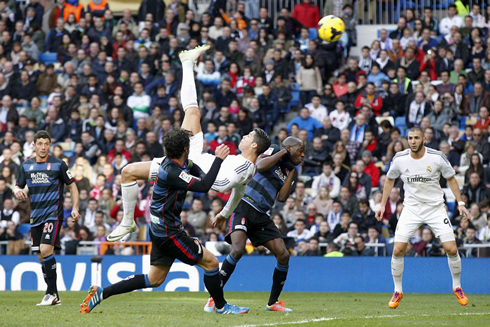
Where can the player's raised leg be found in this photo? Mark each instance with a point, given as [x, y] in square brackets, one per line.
[279, 250]
[188, 93]
[212, 281]
[454, 262]
[96, 294]
[397, 264]
[129, 177]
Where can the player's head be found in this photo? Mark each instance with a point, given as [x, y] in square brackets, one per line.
[42, 143]
[416, 139]
[257, 141]
[296, 148]
[176, 143]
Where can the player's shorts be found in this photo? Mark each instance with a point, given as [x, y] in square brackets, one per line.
[165, 250]
[413, 216]
[47, 233]
[258, 226]
[203, 160]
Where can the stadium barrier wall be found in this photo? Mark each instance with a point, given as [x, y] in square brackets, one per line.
[306, 274]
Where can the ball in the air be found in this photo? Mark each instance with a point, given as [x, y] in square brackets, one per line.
[330, 28]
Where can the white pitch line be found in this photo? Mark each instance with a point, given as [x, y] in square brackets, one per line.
[365, 317]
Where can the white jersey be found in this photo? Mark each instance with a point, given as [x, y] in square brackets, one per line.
[421, 176]
[340, 120]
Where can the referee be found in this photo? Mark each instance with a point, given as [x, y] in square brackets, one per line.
[45, 177]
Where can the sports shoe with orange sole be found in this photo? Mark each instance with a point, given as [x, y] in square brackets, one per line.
[93, 299]
[395, 300]
[462, 299]
[278, 306]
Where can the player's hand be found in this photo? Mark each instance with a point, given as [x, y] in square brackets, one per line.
[222, 151]
[218, 220]
[75, 215]
[463, 212]
[288, 165]
[380, 213]
[21, 195]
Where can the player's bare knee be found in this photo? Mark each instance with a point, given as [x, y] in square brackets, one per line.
[156, 281]
[452, 251]
[283, 258]
[193, 110]
[127, 174]
[46, 251]
[398, 252]
[213, 263]
[237, 252]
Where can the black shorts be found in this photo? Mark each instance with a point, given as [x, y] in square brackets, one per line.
[164, 250]
[46, 233]
[258, 226]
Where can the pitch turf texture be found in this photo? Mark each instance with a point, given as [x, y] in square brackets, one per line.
[186, 310]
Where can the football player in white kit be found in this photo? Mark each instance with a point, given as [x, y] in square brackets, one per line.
[420, 169]
[234, 174]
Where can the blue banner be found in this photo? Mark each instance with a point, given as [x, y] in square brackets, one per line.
[306, 274]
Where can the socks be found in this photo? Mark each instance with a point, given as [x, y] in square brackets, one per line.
[278, 281]
[454, 262]
[227, 268]
[129, 284]
[45, 276]
[397, 272]
[51, 276]
[188, 93]
[213, 284]
[130, 198]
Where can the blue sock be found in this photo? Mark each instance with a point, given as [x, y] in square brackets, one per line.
[227, 268]
[213, 285]
[278, 281]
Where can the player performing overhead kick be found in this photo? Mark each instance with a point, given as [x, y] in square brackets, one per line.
[420, 169]
[169, 241]
[235, 172]
[251, 219]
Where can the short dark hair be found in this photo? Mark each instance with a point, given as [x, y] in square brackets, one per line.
[42, 135]
[175, 142]
[416, 129]
[262, 139]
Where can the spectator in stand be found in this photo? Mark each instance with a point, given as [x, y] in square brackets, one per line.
[371, 170]
[398, 33]
[306, 13]
[317, 110]
[314, 158]
[352, 72]
[410, 63]
[222, 138]
[484, 120]
[451, 20]
[370, 98]
[416, 110]
[309, 79]
[304, 121]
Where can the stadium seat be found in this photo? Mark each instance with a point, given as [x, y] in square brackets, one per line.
[48, 58]
[462, 123]
[313, 33]
[400, 122]
[295, 95]
[24, 229]
[380, 119]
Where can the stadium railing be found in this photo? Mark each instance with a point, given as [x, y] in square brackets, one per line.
[371, 12]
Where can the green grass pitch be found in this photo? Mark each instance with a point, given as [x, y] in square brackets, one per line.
[186, 310]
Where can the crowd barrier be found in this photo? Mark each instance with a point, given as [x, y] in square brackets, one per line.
[254, 273]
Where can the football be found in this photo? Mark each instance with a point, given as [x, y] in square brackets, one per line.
[330, 28]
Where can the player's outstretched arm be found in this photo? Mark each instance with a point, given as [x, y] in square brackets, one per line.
[453, 185]
[389, 183]
[285, 190]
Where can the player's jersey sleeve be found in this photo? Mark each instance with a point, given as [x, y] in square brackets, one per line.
[273, 149]
[236, 196]
[394, 171]
[447, 171]
[65, 174]
[21, 180]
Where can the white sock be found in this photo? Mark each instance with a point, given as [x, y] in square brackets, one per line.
[188, 93]
[397, 272]
[129, 198]
[454, 262]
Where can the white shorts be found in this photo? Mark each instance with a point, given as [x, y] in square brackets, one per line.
[413, 216]
[204, 160]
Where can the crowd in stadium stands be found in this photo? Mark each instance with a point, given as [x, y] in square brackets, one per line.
[107, 89]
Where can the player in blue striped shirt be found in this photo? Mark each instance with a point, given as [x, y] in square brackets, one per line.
[46, 176]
